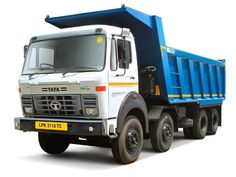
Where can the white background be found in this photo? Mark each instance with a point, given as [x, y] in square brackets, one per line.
[203, 27]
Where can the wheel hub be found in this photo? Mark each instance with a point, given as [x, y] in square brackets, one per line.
[166, 133]
[132, 140]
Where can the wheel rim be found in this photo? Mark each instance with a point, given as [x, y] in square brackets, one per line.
[132, 141]
[166, 133]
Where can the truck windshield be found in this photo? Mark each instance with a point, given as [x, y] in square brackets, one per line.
[62, 55]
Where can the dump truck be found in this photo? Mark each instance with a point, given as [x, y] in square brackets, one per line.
[108, 79]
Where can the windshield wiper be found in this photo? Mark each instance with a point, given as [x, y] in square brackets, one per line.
[39, 71]
[45, 68]
[78, 69]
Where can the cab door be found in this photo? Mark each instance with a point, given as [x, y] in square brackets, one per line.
[123, 74]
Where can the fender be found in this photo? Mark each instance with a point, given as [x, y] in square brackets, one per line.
[155, 112]
[133, 100]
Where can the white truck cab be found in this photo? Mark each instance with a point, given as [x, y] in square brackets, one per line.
[74, 84]
[79, 76]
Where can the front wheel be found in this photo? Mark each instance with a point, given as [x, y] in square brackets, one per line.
[53, 143]
[162, 133]
[127, 147]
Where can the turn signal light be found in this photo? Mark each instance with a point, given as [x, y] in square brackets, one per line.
[19, 90]
[100, 88]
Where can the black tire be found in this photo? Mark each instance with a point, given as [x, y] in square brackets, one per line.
[162, 133]
[200, 125]
[53, 143]
[188, 132]
[213, 122]
[127, 147]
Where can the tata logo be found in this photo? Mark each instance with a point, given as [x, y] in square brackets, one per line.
[54, 89]
[55, 105]
[51, 89]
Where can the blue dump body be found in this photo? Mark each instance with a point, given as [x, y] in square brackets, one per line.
[181, 77]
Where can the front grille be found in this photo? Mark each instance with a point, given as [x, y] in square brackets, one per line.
[68, 105]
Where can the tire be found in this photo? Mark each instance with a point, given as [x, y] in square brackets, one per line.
[162, 133]
[188, 132]
[127, 147]
[213, 122]
[53, 143]
[200, 125]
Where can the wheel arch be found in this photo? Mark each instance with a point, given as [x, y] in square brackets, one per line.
[133, 104]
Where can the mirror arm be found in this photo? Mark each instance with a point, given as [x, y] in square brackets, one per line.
[121, 74]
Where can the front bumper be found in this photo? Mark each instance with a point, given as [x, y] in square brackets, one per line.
[75, 127]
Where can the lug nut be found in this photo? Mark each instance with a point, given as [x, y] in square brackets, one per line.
[90, 129]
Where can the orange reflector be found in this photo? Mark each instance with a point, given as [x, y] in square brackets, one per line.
[157, 91]
[100, 88]
[19, 90]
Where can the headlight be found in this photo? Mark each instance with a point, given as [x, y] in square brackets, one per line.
[91, 111]
[28, 110]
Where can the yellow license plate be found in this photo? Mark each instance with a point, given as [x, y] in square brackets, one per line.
[60, 126]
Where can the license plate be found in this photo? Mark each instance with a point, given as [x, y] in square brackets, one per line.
[60, 126]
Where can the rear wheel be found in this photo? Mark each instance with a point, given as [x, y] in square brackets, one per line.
[200, 125]
[53, 143]
[127, 147]
[162, 133]
[213, 122]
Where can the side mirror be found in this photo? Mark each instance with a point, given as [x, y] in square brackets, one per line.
[25, 50]
[124, 53]
[113, 62]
